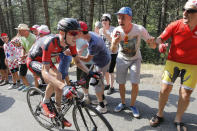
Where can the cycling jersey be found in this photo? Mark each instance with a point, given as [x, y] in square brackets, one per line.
[47, 47]
[43, 50]
[183, 46]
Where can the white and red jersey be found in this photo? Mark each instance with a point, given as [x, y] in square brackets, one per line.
[19, 51]
[10, 53]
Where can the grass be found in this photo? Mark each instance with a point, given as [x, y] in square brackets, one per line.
[151, 68]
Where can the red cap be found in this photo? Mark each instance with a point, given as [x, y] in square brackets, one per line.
[34, 27]
[3, 34]
[83, 26]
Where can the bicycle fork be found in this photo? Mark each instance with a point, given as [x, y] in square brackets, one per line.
[84, 121]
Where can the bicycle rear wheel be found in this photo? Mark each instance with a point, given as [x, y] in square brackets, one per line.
[34, 103]
[93, 120]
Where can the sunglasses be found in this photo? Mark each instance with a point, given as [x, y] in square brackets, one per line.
[104, 20]
[190, 11]
[73, 33]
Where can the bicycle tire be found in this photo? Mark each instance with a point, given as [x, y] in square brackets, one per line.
[100, 121]
[36, 110]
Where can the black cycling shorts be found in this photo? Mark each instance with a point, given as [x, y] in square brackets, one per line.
[22, 69]
[113, 63]
[14, 70]
[2, 60]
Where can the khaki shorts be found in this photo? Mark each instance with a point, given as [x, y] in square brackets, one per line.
[187, 73]
[122, 68]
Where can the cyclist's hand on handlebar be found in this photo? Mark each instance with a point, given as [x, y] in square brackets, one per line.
[163, 47]
[69, 92]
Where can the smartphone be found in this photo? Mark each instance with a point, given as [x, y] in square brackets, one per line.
[117, 33]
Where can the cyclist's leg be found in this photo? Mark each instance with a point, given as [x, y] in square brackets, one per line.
[188, 84]
[58, 91]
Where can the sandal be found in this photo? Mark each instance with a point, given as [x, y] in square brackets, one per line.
[180, 126]
[156, 120]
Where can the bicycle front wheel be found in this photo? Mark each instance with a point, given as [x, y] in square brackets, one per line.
[34, 102]
[87, 118]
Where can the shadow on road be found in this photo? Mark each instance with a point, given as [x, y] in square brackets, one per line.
[5, 103]
[146, 111]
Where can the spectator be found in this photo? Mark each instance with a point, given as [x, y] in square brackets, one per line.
[181, 62]
[10, 53]
[128, 37]
[105, 33]
[97, 27]
[82, 49]
[3, 68]
[43, 30]
[64, 65]
[27, 40]
[34, 29]
[22, 64]
[99, 54]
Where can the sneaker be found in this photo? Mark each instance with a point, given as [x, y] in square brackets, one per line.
[5, 82]
[25, 89]
[48, 110]
[66, 123]
[1, 81]
[120, 107]
[21, 87]
[95, 102]
[135, 111]
[110, 91]
[86, 99]
[18, 84]
[12, 87]
[107, 87]
[101, 110]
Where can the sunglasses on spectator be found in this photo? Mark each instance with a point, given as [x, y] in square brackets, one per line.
[190, 11]
[73, 33]
[104, 20]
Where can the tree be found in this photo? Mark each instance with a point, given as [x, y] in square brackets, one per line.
[2, 20]
[46, 13]
[91, 12]
[12, 21]
[7, 18]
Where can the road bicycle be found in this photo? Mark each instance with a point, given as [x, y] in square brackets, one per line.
[85, 117]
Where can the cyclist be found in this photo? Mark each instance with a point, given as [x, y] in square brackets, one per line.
[39, 61]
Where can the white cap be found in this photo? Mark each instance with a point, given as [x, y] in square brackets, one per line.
[191, 4]
[107, 15]
[43, 29]
[34, 27]
[98, 24]
[22, 27]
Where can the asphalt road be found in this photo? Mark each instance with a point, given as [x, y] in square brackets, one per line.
[15, 114]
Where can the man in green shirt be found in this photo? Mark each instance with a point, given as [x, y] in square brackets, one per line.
[27, 38]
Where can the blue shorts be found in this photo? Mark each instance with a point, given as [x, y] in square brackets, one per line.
[64, 64]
